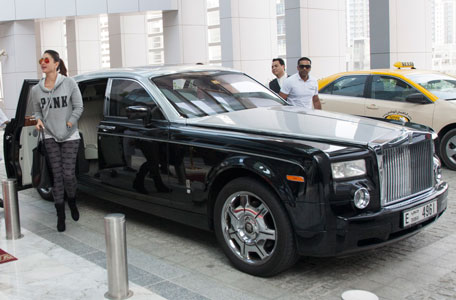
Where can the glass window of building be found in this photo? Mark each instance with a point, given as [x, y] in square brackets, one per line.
[155, 38]
[212, 4]
[1, 83]
[280, 26]
[215, 53]
[213, 18]
[280, 6]
[214, 35]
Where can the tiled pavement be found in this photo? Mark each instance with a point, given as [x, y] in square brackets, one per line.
[178, 262]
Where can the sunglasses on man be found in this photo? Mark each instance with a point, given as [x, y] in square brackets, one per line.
[44, 60]
[304, 66]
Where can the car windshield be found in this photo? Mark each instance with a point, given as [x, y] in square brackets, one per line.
[441, 85]
[198, 94]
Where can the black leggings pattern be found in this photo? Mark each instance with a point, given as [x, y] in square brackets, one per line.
[62, 158]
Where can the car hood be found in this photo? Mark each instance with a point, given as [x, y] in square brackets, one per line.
[300, 123]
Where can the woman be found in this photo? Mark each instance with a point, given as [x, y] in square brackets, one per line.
[57, 105]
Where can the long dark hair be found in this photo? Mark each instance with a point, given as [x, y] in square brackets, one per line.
[55, 55]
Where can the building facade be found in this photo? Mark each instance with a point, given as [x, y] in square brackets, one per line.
[245, 35]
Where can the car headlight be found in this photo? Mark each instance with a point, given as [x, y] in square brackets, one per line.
[347, 169]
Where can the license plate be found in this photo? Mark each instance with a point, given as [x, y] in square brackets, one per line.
[419, 214]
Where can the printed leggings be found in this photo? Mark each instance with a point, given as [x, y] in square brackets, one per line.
[62, 158]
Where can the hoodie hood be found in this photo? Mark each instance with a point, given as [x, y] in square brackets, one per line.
[58, 82]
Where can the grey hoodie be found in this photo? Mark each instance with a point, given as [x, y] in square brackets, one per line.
[58, 106]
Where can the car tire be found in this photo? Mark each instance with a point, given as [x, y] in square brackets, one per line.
[262, 246]
[45, 193]
[448, 149]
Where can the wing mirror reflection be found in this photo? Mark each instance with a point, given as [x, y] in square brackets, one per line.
[138, 112]
[416, 98]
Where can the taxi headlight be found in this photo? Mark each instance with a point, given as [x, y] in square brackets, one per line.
[361, 198]
[347, 169]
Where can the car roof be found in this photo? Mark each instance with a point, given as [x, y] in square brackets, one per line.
[149, 71]
[401, 73]
[395, 72]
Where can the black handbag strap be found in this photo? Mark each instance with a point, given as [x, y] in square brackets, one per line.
[41, 139]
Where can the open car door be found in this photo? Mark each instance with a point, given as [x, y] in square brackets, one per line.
[20, 138]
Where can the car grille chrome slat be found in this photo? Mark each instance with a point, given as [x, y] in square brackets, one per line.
[407, 170]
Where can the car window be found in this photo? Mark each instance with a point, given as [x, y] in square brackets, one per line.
[127, 92]
[352, 86]
[390, 88]
[441, 85]
[197, 94]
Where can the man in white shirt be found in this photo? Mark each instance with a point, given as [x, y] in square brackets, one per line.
[301, 89]
[278, 69]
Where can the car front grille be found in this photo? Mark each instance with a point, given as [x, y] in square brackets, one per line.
[407, 170]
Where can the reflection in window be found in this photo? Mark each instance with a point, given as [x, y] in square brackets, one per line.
[390, 88]
[126, 93]
[352, 86]
[198, 94]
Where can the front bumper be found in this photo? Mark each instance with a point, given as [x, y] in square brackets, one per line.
[370, 230]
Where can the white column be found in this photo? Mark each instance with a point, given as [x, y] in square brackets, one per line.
[128, 40]
[248, 32]
[83, 43]
[18, 39]
[185, 33]
[50, 34]
[316, 29]
[411, 32]
[403, 36]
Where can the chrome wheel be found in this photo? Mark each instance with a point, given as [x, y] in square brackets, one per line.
[248, 227]
[450, 149]
[45, 193]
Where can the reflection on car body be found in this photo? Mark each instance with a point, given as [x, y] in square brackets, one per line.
[405, 94]
[213, 148]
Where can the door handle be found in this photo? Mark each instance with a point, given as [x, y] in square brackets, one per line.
[372, 106]
[105, 128]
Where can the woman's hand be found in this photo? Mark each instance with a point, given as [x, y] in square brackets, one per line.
[69, 124]
[39, 125]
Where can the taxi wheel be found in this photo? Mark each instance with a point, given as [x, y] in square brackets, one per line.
[448, 149]
[253, 228]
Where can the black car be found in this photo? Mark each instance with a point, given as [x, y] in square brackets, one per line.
[213, 148]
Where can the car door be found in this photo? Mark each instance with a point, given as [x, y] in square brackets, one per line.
[388, 99]
[345, 95]
[20, 137]
[133, 155]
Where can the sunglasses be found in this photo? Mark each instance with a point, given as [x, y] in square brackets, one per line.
[304, 66]
[44, 60]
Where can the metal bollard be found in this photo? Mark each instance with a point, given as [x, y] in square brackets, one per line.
[116, 257]
[11, 206]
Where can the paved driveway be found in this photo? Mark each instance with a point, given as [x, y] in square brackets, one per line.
[178, 262]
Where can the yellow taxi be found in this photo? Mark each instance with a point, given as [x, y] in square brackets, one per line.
[405, 93]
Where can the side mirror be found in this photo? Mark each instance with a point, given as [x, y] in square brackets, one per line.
[136, 112]
[416, 98]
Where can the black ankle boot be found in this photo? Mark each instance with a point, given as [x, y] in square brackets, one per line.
[60, 216]
[73, 208]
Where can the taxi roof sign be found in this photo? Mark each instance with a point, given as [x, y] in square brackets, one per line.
[404, 64]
